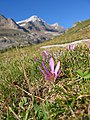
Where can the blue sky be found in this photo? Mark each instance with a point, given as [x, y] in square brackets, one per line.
[65, 12]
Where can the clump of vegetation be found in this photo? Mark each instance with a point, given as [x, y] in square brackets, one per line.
[25, 93]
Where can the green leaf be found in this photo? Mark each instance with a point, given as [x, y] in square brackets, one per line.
[79, 72]
[23, 101]
[36, 107]
[87, 76]
[86, 72]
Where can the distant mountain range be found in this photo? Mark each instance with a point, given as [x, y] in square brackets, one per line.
[26, 32]
[35, 30]
[36, 24]
[32, 24]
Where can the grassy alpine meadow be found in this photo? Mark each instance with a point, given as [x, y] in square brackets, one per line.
[39, 84]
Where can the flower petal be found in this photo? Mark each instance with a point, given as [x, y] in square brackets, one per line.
[56, 75]
[71, 47]
[42, 71]
[51, 63]
[45, 53]
[45, 68]
[57, 68]
[48, 78]
[88, 45]
[59, 72]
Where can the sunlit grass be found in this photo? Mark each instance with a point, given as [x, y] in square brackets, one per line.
[26, 94]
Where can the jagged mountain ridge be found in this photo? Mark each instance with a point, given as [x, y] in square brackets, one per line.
[9, 23]
[12, 36]
[30, 31]
[32, 24]
[35, 23]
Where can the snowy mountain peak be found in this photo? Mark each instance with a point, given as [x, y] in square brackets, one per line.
[33, 18]
[55, 24]
[35, 23]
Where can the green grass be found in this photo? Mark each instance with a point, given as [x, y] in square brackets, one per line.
[25, 94]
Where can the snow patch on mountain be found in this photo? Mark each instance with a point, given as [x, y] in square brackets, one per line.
[55, 25]
[33, 18]
[36, 24]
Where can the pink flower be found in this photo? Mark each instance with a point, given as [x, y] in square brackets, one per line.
[88, 46]
[45, 55]
[52, 74]
[35, 59]
[71, 47]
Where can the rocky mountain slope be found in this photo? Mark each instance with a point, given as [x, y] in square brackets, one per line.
[30, 31]
[10, 24]
[79, 31]
[36, 24]
[35, 30]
